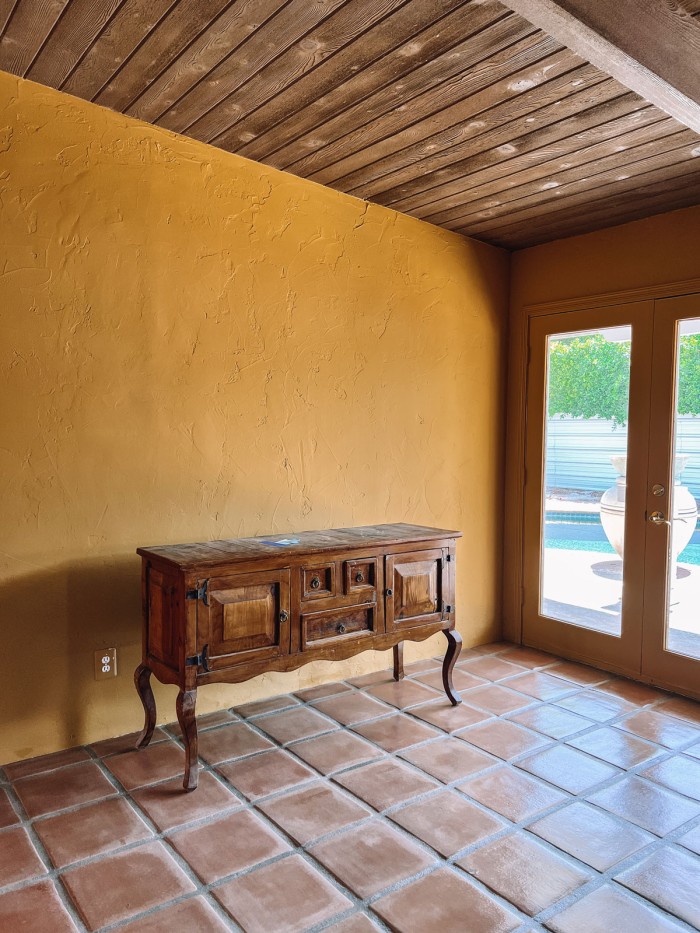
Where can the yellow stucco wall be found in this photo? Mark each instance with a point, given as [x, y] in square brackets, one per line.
[195, 346]
[653, 251]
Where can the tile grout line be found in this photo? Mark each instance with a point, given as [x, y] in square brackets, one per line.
[383, 816]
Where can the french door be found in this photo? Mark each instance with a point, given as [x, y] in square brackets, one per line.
[611, 557]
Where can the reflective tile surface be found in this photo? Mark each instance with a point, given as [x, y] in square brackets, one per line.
[555, 798]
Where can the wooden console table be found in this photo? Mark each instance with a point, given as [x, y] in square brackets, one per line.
[225, 611]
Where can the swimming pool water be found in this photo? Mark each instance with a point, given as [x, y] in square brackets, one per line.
[575, 536]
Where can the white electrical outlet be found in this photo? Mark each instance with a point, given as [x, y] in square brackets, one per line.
[105, 663]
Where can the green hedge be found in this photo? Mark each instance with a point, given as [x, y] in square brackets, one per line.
[589, 377]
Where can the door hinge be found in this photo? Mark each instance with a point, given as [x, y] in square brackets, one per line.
[199, 660]
[199, 593]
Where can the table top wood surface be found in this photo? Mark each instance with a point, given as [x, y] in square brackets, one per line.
[186, 556]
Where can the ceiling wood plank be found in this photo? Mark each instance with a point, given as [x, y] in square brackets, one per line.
[224, 36]
[651, 47]
[545, 164]
[634, 205]
[494, 150]
[674, 149]
[114, 46]
[583, 201]
[294, 20]
[168, 38]
[542, 161]
[347, 26]
[499, 134]
[490, 91]
[6, 10]
[688, 6]
[345, 88]
[70, 39]
[29, 27]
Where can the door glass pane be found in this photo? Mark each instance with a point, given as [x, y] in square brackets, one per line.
[683, 589]
[584, 489]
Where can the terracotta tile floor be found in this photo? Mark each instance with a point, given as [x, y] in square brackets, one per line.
[555, 798]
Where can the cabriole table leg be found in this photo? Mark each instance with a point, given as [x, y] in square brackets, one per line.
[454, 646]
[185, 706]
[142, 680]
[398, 661]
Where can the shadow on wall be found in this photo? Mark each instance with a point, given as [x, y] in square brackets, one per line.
[56, 619]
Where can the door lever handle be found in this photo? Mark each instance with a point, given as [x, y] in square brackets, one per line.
[658, 518]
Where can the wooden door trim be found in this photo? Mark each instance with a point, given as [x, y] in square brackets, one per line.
[559, 636]
[514, 486]
[678, 670]
[606, 299]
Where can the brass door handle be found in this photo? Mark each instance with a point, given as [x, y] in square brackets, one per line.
[360, 578]
[341, 629]
[315, 583]
[284, 615]
[658, 518]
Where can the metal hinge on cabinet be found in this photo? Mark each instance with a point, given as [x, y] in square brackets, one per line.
[199, 593]
[199, 660]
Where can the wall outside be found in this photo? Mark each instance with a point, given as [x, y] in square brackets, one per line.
[196, 346]
[647, 253]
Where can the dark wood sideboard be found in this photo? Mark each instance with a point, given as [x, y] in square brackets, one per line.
[226, 611]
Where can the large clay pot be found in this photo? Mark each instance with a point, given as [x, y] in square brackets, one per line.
[612, 508]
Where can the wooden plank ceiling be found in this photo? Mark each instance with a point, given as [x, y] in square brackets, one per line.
[455, 111]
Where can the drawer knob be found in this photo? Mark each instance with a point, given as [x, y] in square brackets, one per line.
[341, 629]
[284, 615]
[315, 583]
[389, 592]
[360, 578]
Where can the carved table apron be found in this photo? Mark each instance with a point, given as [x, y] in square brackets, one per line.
[226, 611]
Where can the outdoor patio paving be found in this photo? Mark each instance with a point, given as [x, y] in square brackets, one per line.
[555, 797]
[585, 588]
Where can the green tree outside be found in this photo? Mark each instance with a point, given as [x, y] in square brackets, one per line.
[589, 377]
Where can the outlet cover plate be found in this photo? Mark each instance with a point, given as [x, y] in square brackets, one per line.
[105, 663]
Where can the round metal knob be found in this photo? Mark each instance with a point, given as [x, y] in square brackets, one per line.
[360, 578]
[341, 629]
[315, 583]
[284, 615]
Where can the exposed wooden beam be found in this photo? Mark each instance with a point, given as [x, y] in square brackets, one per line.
[650, 46]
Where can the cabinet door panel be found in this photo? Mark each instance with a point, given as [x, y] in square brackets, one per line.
[418, 582]
[247, 617]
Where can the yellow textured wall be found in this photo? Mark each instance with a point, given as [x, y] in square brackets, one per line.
[655, 251]
[195, 346]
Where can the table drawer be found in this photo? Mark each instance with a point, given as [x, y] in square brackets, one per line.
[360, 574]
[318, 581]
[337, 624]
